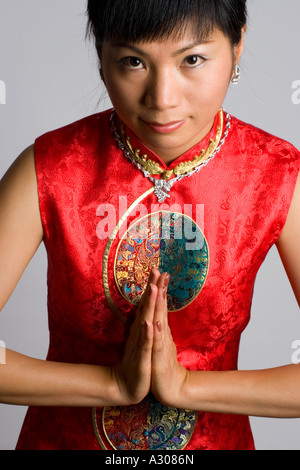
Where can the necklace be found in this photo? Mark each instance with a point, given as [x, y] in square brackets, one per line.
[168, 178]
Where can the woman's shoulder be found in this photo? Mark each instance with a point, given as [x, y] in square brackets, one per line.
[80, 143]
[263, 143]
[83, 130]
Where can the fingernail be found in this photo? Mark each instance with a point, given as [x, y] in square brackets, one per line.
[166, 280]
[158, 326]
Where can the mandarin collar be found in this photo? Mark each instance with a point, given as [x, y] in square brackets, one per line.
[186, 156]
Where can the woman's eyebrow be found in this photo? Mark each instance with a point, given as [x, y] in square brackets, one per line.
[130, 46]
[192, 45]
[176, 53]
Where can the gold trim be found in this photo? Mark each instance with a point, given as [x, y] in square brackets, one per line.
[184, 167]
[104, 429]
[112, 237]
[96, 429]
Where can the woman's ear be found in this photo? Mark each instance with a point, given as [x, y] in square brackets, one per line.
[237, 53]
[238, 49]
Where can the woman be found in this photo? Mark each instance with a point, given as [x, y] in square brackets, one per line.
[148, 294]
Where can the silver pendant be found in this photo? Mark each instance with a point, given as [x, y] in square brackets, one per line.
[162, 189]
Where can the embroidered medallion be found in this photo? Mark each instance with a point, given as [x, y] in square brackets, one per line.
[171, 242]
[146, 426]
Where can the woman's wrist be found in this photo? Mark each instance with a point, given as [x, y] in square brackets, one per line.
[118, 395]
[104, 386]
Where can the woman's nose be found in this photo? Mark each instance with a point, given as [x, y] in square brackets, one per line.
[162, 91]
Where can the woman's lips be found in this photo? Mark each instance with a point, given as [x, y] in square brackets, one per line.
[167, 128]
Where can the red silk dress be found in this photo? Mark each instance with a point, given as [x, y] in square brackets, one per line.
[103, 231]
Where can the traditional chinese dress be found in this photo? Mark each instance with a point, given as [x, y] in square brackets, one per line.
[107, 220]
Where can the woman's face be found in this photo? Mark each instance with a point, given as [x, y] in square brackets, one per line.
[168, 92]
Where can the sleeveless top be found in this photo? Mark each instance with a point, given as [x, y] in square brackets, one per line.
[103, 231]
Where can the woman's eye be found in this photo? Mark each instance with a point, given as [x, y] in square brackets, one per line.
[194, 61]
[132, 63]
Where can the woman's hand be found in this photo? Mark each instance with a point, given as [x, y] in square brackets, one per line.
[168, 376]
[133, 373]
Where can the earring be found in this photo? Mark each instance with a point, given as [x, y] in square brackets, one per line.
[235, 80]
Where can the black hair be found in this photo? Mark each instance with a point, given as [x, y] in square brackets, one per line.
[148, 20]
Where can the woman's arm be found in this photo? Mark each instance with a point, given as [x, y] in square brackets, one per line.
[25, 380]
[288, 244]
[270, 393]
[28, 381]
[20, 223]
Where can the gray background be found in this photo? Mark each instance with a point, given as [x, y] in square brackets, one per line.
[51, 77]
